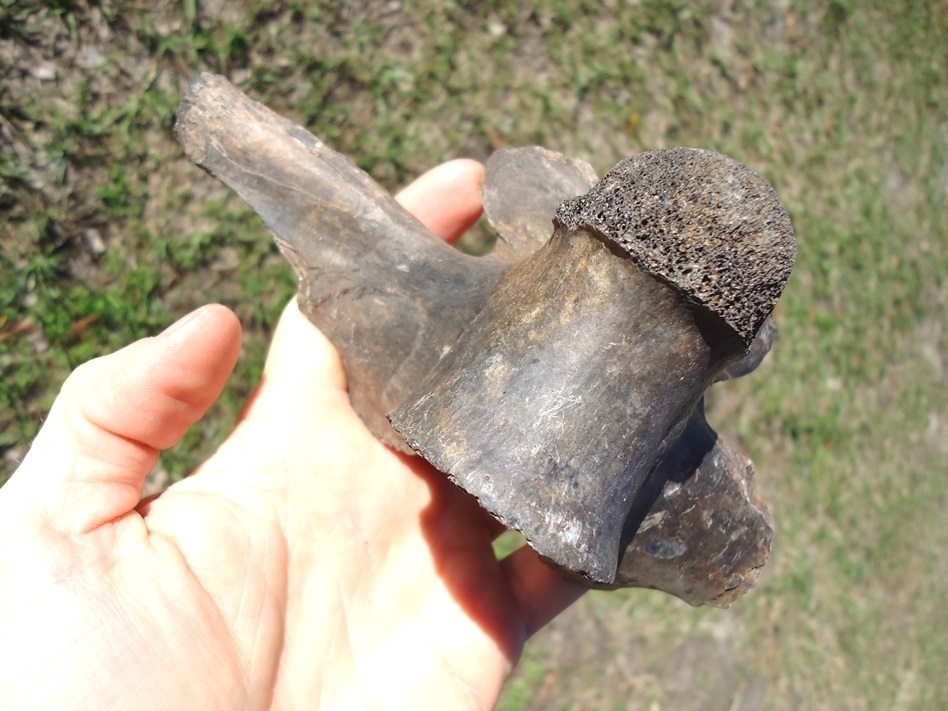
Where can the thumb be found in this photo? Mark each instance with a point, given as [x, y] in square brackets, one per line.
[114, 414]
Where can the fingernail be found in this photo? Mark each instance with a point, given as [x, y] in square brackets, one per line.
[186, 320]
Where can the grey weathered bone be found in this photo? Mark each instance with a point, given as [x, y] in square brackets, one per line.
[329, 218]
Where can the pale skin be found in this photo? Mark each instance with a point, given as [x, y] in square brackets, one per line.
[304, 565]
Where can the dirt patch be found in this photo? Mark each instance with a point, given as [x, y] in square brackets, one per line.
[602, 654]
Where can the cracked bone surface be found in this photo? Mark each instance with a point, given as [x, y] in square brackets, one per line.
[394, 300]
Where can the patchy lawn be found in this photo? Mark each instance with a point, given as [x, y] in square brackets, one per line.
[109, 234]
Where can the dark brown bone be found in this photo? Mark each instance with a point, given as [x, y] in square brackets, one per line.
[700, 467]
[561, 396]
[325, 212]
[522, 189]
[580, 372]
[391, 296]
[702, 484]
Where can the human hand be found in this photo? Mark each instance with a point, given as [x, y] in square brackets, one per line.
[304, 565]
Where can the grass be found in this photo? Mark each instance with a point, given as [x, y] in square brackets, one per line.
[109, 234]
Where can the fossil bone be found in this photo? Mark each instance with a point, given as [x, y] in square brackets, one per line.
[583, 367]
[394, 300]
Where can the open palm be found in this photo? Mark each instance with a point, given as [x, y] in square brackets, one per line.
[304, 565]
